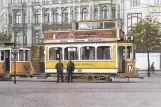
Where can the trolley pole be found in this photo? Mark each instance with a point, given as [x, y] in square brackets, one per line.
[14, 53]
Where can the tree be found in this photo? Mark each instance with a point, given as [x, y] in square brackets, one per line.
[4, 37]
[147, 36]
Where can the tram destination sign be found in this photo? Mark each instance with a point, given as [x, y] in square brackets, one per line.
[78, 35]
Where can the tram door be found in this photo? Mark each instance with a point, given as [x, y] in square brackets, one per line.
[121, 59]
[6, 56]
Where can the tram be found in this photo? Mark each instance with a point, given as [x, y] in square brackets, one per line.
[98, 49]
[18, 59]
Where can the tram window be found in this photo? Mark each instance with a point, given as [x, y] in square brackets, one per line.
[27, 55]
[97, 25]
[71, 53]
[109, 25]
[15, 57]
[21, 55]
[85, 25]
[87, 53]
[103, 53]
[2, 55]
[129, 52]
[55, 53]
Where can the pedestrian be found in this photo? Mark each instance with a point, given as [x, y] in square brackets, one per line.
[59, 68]
[70, 70]
[152, 67]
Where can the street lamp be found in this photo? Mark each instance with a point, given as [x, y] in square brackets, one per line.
[14, 52]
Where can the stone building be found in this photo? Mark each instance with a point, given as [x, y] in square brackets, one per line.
[25, 20]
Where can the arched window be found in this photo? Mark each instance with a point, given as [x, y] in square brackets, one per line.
[37, 17]
[65, 15]
[18, 17]
[133, 18]
[76, 14]
[103, 53]
[55, 53]
[71, 53]
[46, 16]
[18, 37]
[10, 18]
[84, 14]
[87, 53]
[105, 12]
[96, 13]
[55, 16]
[25, 17]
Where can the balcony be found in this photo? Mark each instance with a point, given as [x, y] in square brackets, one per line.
[61, 26]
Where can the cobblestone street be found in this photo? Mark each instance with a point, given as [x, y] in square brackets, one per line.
[46, 93]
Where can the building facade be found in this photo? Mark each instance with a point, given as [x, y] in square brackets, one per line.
[25, 20]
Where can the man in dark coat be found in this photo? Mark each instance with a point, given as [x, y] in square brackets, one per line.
[70, 70]
[59, 67]
[152, 67]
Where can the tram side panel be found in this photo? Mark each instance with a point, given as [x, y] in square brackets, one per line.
[85, 66]
[22, 68]
[1, 68]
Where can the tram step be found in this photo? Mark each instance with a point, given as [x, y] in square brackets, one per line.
[7, 77]
[42, 76]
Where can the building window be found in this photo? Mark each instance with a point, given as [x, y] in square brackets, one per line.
[46, 16]
[76, 14]
[25, 17]
[135, 2]
[157, 2]
[84, 14]
[72, 14]
[156, 15]
[18, 37]
[37, 0]
[10, 1]
[36, 38]
[113, 12]
[105, 12]
[19, 1]
[132, 19]
[46, 0]
[37, 17]
[25, 39]
[10, 18]
[18, 17]
[96, 13]
[65, 15]
[55, 16]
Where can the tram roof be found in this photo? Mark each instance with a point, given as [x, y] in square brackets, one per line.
[120, 42]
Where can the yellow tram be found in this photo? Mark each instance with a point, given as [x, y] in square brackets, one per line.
[98, 49]
[18, 59]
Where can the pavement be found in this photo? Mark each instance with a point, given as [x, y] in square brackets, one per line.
[31, 92]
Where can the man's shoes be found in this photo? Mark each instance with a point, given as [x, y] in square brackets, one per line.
[57, 82]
